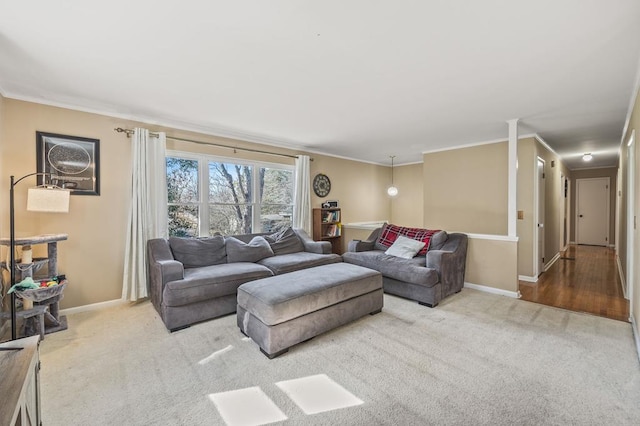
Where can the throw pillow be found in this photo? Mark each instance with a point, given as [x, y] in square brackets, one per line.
[405, 247]
[238, 251]
[284, 242]
[389, 233]
[197, 252]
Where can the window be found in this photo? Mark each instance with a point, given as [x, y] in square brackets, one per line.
[208, 195]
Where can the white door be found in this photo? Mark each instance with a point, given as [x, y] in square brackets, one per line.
[540, 199]
[592, 211]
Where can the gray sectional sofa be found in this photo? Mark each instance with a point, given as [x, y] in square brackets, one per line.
[425, 278]
[192, 280]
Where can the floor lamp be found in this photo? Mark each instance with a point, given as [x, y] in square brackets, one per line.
[46, 198]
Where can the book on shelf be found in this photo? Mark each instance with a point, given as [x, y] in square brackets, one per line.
[333, 216]
[333, 230]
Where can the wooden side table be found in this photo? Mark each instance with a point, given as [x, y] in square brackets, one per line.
[20, 384]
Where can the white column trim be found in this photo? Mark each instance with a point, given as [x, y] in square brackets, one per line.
[513, 178]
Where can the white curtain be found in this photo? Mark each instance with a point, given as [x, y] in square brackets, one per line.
[302, 196]
[148, 211]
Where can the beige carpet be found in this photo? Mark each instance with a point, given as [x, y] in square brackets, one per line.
[476, 359]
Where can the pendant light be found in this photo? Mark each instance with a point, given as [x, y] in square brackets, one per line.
[392, 190]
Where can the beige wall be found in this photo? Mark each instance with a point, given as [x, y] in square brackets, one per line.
[92, 257]
[612, 174]
[407, 206]
[466, 189]
[359, 188]
[493, 263]
[526, 227]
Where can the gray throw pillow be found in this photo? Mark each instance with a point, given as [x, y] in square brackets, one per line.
[197, 252]
[285, 242]
[239, 251]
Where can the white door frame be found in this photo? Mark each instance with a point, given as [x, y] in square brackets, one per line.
[631, 220]
[563, 206]
[537, 256]
[577, 212]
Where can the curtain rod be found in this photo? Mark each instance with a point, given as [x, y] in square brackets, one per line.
[129, 132]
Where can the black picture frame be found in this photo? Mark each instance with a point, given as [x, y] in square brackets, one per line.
[70, 162]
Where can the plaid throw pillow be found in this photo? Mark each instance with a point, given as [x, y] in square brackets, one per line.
[389, 234]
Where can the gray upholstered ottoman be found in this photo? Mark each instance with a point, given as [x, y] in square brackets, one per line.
[281, 311]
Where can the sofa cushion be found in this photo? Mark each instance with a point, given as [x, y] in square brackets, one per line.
[209, 282]
[285, 297]
[197, 252]
[285, 263]
[405, 247]
[238, 251]
[437, 240]
[284, 242]
[412, 271]
[389, 233]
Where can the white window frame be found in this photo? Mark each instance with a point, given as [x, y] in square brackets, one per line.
[203, 185]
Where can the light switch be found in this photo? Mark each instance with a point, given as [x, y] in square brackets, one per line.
[520, 214]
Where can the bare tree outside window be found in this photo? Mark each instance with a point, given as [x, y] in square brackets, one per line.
[182, 191]
[241, 198]
[230, 196]
[276, 199]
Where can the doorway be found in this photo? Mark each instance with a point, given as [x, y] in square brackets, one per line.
[592, 211]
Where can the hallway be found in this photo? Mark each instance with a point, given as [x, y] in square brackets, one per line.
[584, 279]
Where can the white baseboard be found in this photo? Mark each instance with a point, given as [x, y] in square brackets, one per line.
[551, 262]
[528, 278]
[493, 290]
[92, 307]
[623, 283]
[636, 335]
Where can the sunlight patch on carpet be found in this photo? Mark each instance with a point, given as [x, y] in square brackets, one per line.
[215, 355]
[317, 394]
[247, 407]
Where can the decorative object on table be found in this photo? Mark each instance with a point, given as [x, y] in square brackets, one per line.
[321, 185]
[40, 199]
[392, 190]
[69, 162]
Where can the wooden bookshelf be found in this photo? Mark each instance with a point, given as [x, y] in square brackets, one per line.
[327, 227]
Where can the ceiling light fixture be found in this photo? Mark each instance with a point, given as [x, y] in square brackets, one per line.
[587, 157]
[392, 190]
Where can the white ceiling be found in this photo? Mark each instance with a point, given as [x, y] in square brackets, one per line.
[361, 79]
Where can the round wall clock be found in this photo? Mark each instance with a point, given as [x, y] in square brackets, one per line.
[321, 185]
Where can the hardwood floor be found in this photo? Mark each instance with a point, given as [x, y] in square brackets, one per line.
[584, 279]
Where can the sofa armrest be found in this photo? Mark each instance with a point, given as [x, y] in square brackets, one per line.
[163, 268]
[320, 247]
[359, 245]
[364, 245]
[450, 262]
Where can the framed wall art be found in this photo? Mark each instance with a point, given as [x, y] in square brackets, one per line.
[70, 162]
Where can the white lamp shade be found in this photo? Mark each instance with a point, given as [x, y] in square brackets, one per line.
[392, 191]
[53, 200]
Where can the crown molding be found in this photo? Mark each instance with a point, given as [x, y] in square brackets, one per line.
[204, 130]
[472, 144]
